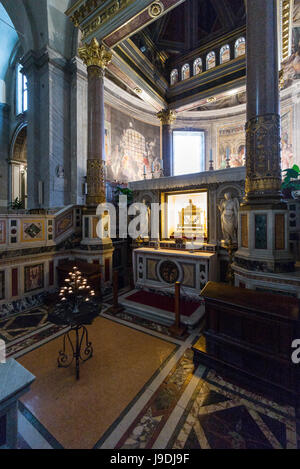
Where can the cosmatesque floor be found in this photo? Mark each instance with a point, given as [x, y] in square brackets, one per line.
[149, 397]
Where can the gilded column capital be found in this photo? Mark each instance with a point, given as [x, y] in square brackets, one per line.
[166, 116]
[94, 55]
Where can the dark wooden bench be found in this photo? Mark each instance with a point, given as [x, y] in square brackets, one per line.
[248, 339]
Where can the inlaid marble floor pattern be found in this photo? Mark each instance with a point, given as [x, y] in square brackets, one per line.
[184, 408]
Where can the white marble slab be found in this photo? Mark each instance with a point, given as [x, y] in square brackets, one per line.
[13, 378]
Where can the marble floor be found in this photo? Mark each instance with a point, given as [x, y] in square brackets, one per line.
[166, 404]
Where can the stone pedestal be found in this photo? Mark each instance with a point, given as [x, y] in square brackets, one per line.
[15, 381]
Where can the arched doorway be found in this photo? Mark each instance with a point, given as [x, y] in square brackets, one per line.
[18, 167]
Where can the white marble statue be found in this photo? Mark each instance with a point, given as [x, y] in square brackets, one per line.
[229, 209]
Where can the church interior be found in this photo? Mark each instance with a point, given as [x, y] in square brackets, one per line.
[150, 224]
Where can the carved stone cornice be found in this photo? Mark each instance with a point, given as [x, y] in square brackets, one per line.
[94, 55]
[166, 116]
[263, 157]
[89, 16]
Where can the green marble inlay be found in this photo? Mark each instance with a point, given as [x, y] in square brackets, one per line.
[261, 232]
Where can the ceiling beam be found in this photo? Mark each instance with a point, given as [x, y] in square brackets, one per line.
[148, 15]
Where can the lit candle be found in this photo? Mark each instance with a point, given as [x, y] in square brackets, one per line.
[210, 155]
[145, 170]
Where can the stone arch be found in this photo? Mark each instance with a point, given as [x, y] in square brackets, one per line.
[20, 17]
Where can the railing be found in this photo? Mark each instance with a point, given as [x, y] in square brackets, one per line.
[27, 230]
[31, 247]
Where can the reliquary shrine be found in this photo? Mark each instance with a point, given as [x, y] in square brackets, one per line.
[198, 215]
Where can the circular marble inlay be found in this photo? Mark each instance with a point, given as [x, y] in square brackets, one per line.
[169, 272]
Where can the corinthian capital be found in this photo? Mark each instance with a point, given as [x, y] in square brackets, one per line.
[95, 55]
[166, 116]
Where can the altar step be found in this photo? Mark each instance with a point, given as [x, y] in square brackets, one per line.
[159, 315]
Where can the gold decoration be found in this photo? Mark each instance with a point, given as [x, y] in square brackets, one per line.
[107, 14]
[286, 20]
[156, 9]
[95, 55]
[263, 156]
[211, 100]
[166, 116]
[95, 182]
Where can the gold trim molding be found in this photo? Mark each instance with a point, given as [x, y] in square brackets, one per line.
[286, 27]
[104, 16]
[166, 116]
[94, 55]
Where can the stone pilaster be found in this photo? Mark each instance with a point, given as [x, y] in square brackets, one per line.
[79, 90]
[167, 118]
[4, 149]
[48, 134]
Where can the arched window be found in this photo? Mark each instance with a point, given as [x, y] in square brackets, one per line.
[224, 54]
[185, 72]
[174, 76]
[21, 91]
[210, 60]
[197, 66]
[240, 47]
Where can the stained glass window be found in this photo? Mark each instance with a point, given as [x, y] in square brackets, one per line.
[210, 60]
[174, 76]
[240, 47]
[197, 66]
[185, 72]
[224, 54]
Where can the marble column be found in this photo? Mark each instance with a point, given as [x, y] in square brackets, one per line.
[4, 150]
[167, 118]
[263, 180]
[96, 58]
[263, 218]
[96, 248]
